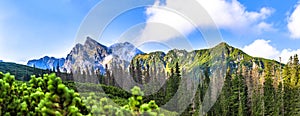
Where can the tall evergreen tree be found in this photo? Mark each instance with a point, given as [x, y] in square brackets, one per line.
[107, 78]
[132, 71]
[269, 92]
[57, 69]
[138, 72]
[147, 74]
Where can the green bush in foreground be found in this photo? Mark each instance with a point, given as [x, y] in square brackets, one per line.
[41, 96]
[135, 107]
[48, 95]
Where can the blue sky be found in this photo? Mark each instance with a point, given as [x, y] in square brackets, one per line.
[32, 29]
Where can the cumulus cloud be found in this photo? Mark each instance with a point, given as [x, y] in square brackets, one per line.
[263, 48]
[164, 24]
[294, 23]
[230, 15]
[233, 15]
[287, 53]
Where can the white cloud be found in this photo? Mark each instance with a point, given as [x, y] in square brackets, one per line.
[233, 15]
[263, 27]
[263, 48]
[294, 23]
[169, 18]
[230, 15]
[287, 53]
[163, 24]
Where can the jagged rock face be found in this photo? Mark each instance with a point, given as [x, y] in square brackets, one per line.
[46, 62]
[125, 51]
[87, 56]
[95, 56]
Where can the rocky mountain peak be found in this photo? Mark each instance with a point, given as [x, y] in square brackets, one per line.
[92, 54]
[93, 44]
[46, 62]
[124, 50]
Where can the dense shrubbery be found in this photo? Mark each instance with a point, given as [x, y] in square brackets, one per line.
[40, 96]
[48, 95]
[134, 107]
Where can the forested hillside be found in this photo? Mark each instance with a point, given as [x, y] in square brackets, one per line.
[22, 72]
[48, 95]
[221, 80]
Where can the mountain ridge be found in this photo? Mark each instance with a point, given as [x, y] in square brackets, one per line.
[93, 55]
[46, 62]
[235, 58]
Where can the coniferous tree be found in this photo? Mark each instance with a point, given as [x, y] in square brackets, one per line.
[57, 69]
[53, 69]
[107, 78]
[147, 74]
[138, 72]
[295, 86]
[226, 91]
[296, 73]
[99, 76]
[269, 92]
[132, 71]
[177, 77]
[34, 70]
[170, 90]
[234, 98]
[291, 90]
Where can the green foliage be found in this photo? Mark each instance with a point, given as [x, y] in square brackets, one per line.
[134, 107]
[8, 95]
[48, 95]
[22, 72]
[40, 96]
[269, 92]
[291, 91]
[252, 87]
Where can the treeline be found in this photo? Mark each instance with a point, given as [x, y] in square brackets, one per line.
[250, 89]
[262, 89]
[271, 92]
[162, 85]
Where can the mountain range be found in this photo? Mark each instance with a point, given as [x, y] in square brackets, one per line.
[92, 56]
[46, 63]
[89, 56]
[222, 56]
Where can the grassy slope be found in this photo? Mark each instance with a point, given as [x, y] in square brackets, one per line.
[20, 71]
[204, 57]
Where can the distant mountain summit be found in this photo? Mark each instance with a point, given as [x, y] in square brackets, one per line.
[86, 56]
[92, 55]
[46, 62]
[1, 60]
[125, 51]
[89, 57]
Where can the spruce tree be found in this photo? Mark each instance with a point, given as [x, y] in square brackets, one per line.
[138, 72]
[269, 92]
